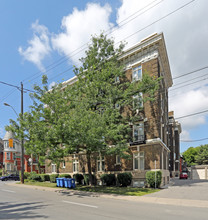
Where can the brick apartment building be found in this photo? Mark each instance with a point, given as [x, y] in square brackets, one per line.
[174, 145]
[150, 148]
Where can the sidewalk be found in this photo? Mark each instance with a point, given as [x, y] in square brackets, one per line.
[149, 199]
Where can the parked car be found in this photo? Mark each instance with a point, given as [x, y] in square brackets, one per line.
[10, 177]
[184, 175]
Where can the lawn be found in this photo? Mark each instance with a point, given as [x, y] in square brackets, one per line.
[129, 191]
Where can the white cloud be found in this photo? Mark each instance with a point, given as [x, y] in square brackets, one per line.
[189, 102]
[185, 135]
[39, 46]
[78, 28]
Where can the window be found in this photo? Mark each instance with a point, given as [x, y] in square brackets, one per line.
[118, 159]
[14, 145]
[8, 156]
[100, 163]
[138, 132]
[9, 166]
[75, 166]
[53, 168]
[137, 73]
[138, 162]
[138, 101]
[14, 156]
[117, 80]
[6, 144]
[64, 164]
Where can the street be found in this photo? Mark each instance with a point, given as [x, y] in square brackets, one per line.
[31, 203]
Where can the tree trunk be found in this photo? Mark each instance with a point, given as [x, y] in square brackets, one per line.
[89, 168]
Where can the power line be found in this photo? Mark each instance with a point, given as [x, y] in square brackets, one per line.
[203, 139]
[191, 72]
[65, 58]
[174, 11]
[197, 113]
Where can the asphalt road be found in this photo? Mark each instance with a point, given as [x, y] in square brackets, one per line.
[30, 203]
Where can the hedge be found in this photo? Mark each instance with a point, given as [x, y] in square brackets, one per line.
[124, 179]
[108, 179]
[150, 177]
[45, 177]
[86, 179]
[65, 175]
[78, 178]
[53, 178]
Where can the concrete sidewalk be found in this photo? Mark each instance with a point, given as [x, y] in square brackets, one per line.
[143, 199]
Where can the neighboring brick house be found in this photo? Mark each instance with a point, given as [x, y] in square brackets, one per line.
[12, 155]
[149, 145]
[174, 145]
[1, 153]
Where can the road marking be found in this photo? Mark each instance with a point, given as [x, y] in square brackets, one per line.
[5, 190]
[81, 204]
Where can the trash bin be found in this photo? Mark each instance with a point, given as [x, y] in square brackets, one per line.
[58, 182]
[66, 182]
[61, 180]
[73, 183]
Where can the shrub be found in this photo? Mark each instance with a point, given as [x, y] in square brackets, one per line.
[53, 178]
[26, 175]
[108, 179]
[86, 179]
[35, 177]
[124, 179]
[0, 172]
[78, 178]
[45, 177]
[150, 177]
[65, 175]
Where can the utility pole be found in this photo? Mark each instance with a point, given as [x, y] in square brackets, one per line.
[22, 139]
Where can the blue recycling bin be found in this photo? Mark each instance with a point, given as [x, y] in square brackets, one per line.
[73, 183]
[61, 180]
[58, 182]
[66, 182]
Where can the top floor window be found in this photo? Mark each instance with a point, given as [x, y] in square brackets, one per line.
[137, 73]
[100, 163]
[6, 144]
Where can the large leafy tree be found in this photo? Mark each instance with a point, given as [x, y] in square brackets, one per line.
[190, 155]
[102, 100]
[202, 155]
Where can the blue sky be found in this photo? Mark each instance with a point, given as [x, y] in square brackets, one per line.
[36, 33]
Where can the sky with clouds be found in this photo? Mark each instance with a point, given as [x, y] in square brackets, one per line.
[50, 36]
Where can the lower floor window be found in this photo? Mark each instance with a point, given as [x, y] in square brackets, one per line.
[100, 163]
[53, 166]
[138, 161]
[9, 166]
[75, 166]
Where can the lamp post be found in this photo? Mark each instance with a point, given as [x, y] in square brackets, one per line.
[6, 104]
[22, 140]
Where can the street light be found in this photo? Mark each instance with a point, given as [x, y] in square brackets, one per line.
[6, 104]
[22, 141]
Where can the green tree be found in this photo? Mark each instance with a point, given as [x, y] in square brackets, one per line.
[102, 101]
[202, 155]
[190, 156]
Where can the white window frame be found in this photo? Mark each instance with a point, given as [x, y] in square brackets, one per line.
[138, 101]
[137, 127]
[8, 156]
[118, 159]
[117, 79]
[100, 163]
[9, 166]
[53, 168]
[64, 164]
[6, 144]
[135, 73]
[139, 157]
[75, 165]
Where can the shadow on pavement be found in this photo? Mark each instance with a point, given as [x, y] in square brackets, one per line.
[20, 210]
